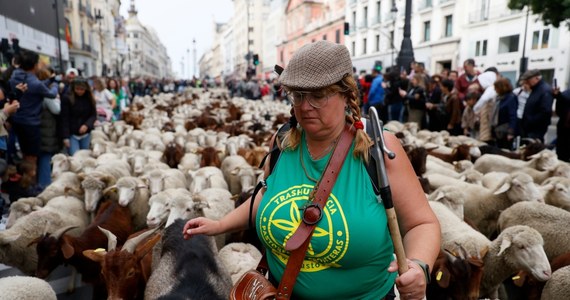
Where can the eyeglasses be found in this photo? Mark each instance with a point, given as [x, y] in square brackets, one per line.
[315, 99]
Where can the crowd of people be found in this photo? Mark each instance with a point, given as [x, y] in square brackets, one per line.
[483, 105]
[44, 113]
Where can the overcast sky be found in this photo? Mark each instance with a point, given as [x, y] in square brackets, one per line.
[179, 21]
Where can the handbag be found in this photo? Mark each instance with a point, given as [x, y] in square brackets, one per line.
[254, 285]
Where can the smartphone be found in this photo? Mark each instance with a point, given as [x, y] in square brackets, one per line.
[555, 83]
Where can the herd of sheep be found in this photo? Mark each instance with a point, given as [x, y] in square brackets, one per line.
[115, 212]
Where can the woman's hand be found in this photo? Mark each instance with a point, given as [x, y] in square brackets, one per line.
[83, 129]
[402, 92]
[12, 107]
[201, 225]
[412, 284]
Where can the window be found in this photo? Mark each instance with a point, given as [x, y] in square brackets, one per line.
[250, 29]
[337, 37]
[392, 39]
[324, 37]
[377, 43]
[378, 11]
[481, 48]
[508, 44]
[545, 36]
[136, 35]
[540, 39]
[364, 46]
[353, 19]
[365, 19]
[448, 26]
[427, 31]
[353, 48]
[281, 56]
[250, 42]
[535, 39]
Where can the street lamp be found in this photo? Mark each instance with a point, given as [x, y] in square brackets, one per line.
[194, 53]
[406, 55]
[58, 36]
[524, 60]
[394, 12]
[99, 19]
[188, 61]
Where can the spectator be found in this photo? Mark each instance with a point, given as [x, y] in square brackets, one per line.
[26, 121]
[78, 115]
[50, 139]
[467, 78]
[453, 109]
[469, 120]
[563, 126]
[453, 76]
[20, 182]
[70, 75]
[505, 115]
[376, 94]
[522, 92]
[538, 108]
[416, 99]
[120, 98]
[393, 100]
[366, 83]
[104, 99]
[486, 105]
[444, 74]
[9, 109]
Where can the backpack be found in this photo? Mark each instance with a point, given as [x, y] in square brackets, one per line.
[276, 151]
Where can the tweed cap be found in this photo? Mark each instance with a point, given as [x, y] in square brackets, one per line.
[530, 74]
[317, 65]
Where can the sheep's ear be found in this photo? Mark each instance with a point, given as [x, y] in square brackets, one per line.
[67, 249]
[505, 244]
[462, 177]
[81, 176]
[96, 255]
[503, 188]
[112, 188]
[547, 187]
[35, 241]
[142, 186]
[200, 205]
[107, 179]
[257, 171]
[36, 207]
[440, 195]
[235, 171]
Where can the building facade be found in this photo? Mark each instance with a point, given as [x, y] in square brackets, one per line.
[273, 35]
[35, 25]
[146, 55]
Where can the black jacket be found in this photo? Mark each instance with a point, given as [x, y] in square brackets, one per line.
[537, 111]
[82, 112]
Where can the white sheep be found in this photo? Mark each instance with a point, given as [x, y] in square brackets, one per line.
[239, 175]
[94, 184]
[542, 161]
[189, 162]
[462, 165]
[561, 170]
[26, 288]
[134, 194]
[239, 258]
[557, 192]
[159, 204]
[553, 223]
[206, 177]
[492, 179]
[437, 180]
[14, 250]
[67, 183]
[558, 287]
[517, 248]
[62, 163]
[23, 207]
[453, 197]
[162, 179]
[483, 206]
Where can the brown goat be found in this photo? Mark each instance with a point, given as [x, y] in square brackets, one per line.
[455, 277]
[460, 152]
[126, 270]
[58, 248]
[210, 157]
[172, 154]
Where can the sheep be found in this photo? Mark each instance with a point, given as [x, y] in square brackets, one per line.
[162, 179]
[239, 258]
[26, 288]
[437, 180]
[456, 235]
[67, 183]
[22, 207]
[483, 206]
[561, 170]
[542, 161]
[159, 203]
[239, 175]
[553, 223]
[462, 165]
[14, 250]
[516, 248]
[189, 162]
[173, 154]
[189, 269]
[558, 287]
[133, 193]
[492, 179]
[62, 163]
[94, 184]
[557, 192]
[206, 177]
[451, 196]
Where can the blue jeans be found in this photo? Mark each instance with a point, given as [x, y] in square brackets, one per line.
[44, 169]
[79, 143]
[396, 112]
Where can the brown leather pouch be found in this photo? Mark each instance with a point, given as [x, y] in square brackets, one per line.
[253, 286]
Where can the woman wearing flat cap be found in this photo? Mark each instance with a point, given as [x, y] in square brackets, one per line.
[350, 254]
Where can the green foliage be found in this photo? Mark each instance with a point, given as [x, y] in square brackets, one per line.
[553, 11]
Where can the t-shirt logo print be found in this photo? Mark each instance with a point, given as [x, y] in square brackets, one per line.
[281, 217]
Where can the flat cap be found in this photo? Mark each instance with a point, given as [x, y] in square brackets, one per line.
[530, 74]
[317, 65]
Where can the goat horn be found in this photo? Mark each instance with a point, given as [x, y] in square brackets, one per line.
[132, 244]
[46, 228]
[61, 231]
[112, 239]
[463, 252]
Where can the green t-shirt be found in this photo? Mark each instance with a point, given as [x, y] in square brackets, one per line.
[350, 249]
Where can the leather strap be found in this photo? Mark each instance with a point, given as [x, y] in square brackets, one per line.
[299, 242]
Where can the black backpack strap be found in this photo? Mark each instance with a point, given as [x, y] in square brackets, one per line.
[372, 159]
[275, 152]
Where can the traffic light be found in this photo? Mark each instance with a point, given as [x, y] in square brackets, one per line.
[346, 28]
[256, 59]
[378, 66]
[16, 45]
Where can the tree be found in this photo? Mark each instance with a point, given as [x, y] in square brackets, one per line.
[553, 11]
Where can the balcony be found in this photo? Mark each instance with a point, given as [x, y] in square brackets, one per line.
[425, 4]
[86, 48]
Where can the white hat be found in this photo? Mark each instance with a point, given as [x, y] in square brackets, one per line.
[71, 70]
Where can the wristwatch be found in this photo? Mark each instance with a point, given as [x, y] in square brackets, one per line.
[425, 268]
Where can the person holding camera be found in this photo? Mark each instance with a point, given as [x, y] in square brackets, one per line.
[26, 121]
